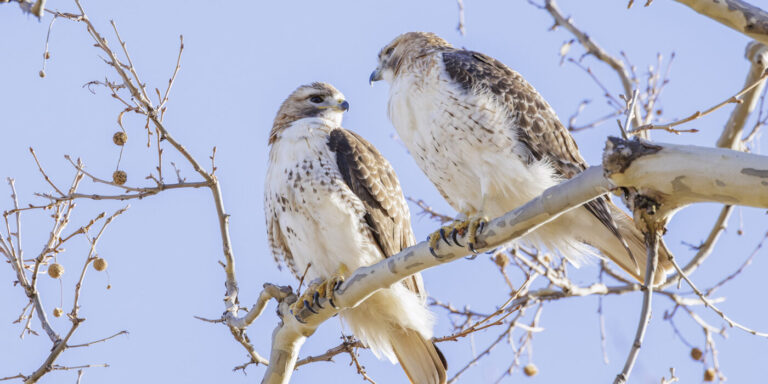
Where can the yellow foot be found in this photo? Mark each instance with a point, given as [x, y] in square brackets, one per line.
[324, 289]
[458, 228]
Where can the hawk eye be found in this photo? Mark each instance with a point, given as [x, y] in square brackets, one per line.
[316, 99]
[389, 51]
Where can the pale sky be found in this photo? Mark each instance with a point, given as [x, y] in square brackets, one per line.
[240, 61]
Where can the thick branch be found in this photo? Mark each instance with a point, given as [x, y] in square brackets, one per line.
[757, 54]
[678, 175]
[739, 15]
[293, 331]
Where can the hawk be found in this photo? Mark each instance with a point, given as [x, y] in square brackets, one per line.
[490, 143]
[333, 204]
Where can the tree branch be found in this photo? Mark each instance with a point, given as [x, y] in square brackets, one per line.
[736, 14]
[757, 54]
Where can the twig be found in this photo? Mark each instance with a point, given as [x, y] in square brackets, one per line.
[698, 114]
[99, 340]
[427, 210]
[593, 49]
[711, 304]
[652, 235]
[460, 27]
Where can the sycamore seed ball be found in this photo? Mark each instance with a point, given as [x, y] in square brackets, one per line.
[709, 374]
[119, 177]
[501, 259]
[530, 370]
[696, 354]
[119, 138]
[41, 73]
[55, 270]
[57, 312]
[99, 264]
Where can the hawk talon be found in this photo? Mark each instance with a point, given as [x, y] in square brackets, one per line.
[432, 251]
[481, 226]
[442, 235]
[454, 233]
[316, 299]
[306, 305]
[333, 304]
[299, 320]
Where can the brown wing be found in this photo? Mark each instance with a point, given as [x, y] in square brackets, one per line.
[372, 179]
[541, 134]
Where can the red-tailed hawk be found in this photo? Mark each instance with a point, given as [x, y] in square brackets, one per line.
[490, 143]
[333, 201]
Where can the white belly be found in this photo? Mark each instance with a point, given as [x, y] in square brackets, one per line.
[466, 147]
[318, 219]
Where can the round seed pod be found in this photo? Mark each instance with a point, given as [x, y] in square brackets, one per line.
[119, 177]
[696, 354]
[41, 73]
[57, 312]
[120, 138]
[709, 374]
[501, 259]
[55, 270]
[530, 370]
[99, 264]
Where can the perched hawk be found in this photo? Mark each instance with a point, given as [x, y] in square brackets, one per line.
[490, 143]
[333, 203]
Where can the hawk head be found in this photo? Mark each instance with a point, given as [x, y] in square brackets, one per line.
[310, 100]
[402, 49]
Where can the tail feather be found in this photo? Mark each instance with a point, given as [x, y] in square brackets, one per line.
[616, 249]
[422, 362]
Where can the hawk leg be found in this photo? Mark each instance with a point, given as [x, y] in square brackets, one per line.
[459, 228]
[323, 289]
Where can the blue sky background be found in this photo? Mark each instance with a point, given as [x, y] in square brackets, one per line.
[240, 61]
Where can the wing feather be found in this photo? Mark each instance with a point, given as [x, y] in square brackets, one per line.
[276, 241]
[540, 132]
[371, 178]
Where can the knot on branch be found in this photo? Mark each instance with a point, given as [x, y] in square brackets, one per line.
[645, 204]
[620, 153]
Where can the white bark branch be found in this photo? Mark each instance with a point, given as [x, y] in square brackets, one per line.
[669, 174]
[757, 54]
[739, 15]
[291, 333]
[678, 175]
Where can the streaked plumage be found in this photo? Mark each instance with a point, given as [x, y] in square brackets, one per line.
[331, 199]
[490, 142]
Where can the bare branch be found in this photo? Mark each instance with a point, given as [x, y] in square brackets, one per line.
[736, 14]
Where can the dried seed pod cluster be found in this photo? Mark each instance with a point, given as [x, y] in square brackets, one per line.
[57, 312]
[530, 370]
[120, 138]
[709, 374]
[119, 177]
[99, 264]
[696, 354]
[55, 270]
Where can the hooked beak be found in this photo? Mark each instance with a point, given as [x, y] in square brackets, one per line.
[343, 106]
[375, 76]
